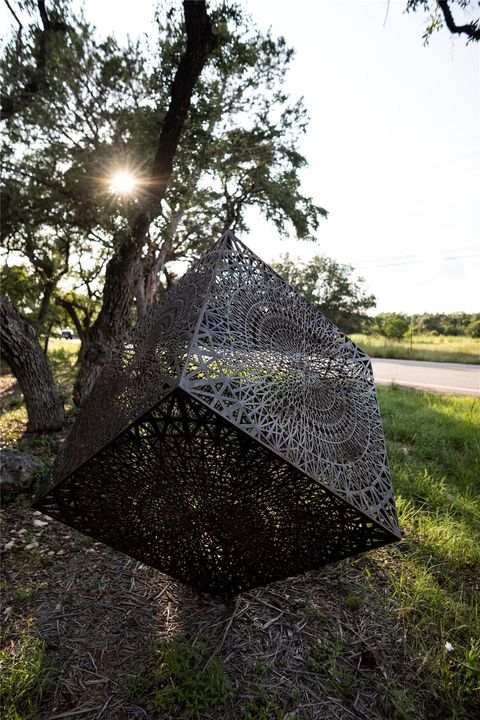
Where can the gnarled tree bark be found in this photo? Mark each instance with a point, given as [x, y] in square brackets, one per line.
[21, 349]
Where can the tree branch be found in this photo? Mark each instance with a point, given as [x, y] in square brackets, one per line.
[17, 19]
[122, 270]
[71, 310]
[201, 40]
[10, 105]
[472, 30]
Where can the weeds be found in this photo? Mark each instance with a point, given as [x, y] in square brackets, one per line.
[26, 675]
[354, 601]
[264, 707]
[325, 658]
[182, 675]
[22, 595]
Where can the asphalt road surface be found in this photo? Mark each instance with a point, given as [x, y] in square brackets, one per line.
[439, 377]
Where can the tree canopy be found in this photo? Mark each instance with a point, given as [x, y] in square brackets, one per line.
[456, 15]
[100, 112]
[330, 285]
[391, 325]
[204, 128]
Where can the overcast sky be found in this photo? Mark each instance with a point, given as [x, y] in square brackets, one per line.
[393, 143]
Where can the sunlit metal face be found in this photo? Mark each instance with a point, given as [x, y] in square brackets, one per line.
[123, 182]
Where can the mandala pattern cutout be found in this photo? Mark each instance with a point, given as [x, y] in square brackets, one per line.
[234, 438]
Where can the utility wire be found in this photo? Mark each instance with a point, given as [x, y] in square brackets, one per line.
[387, 258]
[432, 258]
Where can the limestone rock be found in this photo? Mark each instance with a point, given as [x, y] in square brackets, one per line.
[17, 472]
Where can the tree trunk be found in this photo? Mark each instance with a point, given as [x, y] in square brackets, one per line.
[22, 351]
[122, 270]
[112, 322]
[140, 284]
[46, 339]
[45, 304]
[148, 280]
[82, 329]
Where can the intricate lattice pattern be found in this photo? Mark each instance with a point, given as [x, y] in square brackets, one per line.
[233, 439]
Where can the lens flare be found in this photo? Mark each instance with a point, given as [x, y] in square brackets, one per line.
[122, 183]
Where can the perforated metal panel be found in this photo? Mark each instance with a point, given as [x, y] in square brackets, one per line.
[233, 439]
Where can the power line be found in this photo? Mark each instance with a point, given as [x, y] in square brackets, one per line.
[387, 258]
[432, 258]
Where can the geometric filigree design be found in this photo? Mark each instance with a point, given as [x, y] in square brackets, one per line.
[233, 439]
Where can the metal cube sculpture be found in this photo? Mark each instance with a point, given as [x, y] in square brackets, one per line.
[233, 439]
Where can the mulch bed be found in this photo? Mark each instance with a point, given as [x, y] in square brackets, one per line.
[99, 612]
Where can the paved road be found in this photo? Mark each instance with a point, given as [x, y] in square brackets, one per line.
[440, 377]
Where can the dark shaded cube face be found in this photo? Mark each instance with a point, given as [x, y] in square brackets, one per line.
[185, 491]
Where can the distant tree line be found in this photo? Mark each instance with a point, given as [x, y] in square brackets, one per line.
[332, 286]
[341, 296]
[396, 326]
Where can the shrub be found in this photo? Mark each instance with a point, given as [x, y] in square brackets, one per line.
[473, 329]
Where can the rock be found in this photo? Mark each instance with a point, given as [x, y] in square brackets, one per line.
[40, 523]
[9, 545]
[17, 472]
[30, 546]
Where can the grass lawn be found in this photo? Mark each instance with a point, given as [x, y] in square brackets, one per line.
[434, 573]
[394, 633]
[440, 348]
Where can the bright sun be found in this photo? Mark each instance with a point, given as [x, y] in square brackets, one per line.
[122, 183]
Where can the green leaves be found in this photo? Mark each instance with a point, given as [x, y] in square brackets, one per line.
[330, 285]
[101, 107]
[391, 325]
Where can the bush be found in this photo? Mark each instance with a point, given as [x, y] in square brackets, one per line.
[473, 329]
[392, 325]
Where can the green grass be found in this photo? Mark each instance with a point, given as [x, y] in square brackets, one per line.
[26, 675]
[439, 348]
[22, 594]
[428, 584]
[183, 677]
[434, 573]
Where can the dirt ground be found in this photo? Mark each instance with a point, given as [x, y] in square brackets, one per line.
[290, 650]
